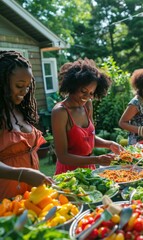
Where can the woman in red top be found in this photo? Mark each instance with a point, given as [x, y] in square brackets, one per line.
[72, 123]
[19, 139]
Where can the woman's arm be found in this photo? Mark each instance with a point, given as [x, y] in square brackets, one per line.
[128, 114]
[100, 142]
[59, 126]
[30, 176]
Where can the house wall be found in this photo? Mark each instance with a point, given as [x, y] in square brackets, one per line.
[12, 37]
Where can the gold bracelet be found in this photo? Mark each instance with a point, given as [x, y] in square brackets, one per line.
[18, 186]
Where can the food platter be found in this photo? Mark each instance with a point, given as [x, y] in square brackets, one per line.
[138, 195]
[74, 225]
[66, 224]
[131, 155]
[118, 170]
[84, 187]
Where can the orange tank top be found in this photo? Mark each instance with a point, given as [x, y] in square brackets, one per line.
[18, 149]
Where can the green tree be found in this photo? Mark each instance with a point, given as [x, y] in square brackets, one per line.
[108, 111]
[95, 28]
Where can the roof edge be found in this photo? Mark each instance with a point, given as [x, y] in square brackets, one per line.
[57, 41]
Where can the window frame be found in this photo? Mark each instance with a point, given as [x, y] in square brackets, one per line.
[53, 66]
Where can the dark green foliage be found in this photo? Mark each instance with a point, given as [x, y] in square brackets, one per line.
[108, 112]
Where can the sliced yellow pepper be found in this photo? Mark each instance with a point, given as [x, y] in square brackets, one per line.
[39, 194]
[56, 221]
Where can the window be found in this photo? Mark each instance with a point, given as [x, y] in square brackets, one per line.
[49, 67]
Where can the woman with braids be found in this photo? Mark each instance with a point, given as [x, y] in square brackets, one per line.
[19, 139]
[72, 123]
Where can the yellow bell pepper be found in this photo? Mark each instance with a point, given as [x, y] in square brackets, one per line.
[39, 194]
[56, 221]
[46, 209]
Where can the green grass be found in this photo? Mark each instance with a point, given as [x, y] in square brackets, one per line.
[47, 167]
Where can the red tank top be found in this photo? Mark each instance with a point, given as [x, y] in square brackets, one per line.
[80, 142]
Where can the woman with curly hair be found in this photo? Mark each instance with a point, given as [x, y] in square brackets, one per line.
[19, 139]
[132, 118]
[72, 123]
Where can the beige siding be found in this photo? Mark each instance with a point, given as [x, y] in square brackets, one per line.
[12, 37]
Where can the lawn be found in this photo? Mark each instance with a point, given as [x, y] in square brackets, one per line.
[47, 166]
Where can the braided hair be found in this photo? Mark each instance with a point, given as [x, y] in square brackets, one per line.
[9, 61]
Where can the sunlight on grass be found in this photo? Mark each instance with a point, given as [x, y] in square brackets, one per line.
[47, 167]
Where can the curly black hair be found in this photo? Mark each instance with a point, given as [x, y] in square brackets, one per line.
[81, 73]
[137, 81]
[9, 61]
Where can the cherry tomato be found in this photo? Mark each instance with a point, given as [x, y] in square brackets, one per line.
[79, 230]
[108, 224]
[83, 222]
[138, 210]
[139, 238]
[97, 216]
[135, 234]
[138, 224]
[93, 234]
[90, 220]
[128, 235]
[87, 226]
[120, 236]
[102, 231]
[136, 202]
[115, 218]
[131, 221]
[120, 231]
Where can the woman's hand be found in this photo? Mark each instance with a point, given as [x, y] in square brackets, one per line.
[116, 148]
[35, 177]
[105, 160]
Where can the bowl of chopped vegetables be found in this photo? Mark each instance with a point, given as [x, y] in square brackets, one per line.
[85, 186]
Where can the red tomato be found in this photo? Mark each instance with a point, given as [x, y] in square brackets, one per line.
[136, 201]
[93, 234]
[128, 235]
[87, 226]
[79, 230]
[83, 223]
[138, 224]
[102, 231]
[108, 224]
[120, 231]
[97, 217]
[139, 237]
[138, 210]
[90, 220]
[135, 234]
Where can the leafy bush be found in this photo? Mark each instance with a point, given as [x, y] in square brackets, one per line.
[108, 111]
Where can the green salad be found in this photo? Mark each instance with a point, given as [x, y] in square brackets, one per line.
[29, 231]
[87, 186]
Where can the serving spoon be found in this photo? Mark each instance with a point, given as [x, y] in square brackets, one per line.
[105, 216]
[124, 218]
